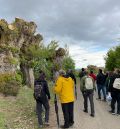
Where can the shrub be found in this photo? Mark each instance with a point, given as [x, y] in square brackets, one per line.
[9, 85]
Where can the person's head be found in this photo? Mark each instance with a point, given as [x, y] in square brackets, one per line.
[62, 72]
[91, 72]
[42, 75]
[83, 69]
[100, 70]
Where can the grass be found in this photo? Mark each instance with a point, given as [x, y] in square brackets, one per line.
[2, 121]
[19, 112]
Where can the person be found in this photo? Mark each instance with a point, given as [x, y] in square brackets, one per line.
[43, 99]
[87, 88]
[100, 80]
[71, 74]
[82, 73]
[107, 82]
[92, 75]
[64, 86]
[115, 92]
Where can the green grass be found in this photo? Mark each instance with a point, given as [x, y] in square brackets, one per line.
[18, 113]
[2, 121]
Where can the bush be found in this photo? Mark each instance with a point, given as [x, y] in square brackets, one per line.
[8, 84]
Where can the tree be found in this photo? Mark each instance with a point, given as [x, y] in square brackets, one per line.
[113, 58]
[68, 63]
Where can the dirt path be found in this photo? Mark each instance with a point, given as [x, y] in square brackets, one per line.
[102, 120]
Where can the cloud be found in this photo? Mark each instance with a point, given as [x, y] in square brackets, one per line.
[92, 25]
[83, 57]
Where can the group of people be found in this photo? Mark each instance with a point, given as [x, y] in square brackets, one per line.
[65, 82]
[106, 83]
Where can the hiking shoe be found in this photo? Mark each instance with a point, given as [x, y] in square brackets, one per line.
[92, 115]
[64, 126]
[46, 123]
[85, 111]
[112, 112]
[71, 124]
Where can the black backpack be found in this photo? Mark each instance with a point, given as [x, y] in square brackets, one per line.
[38, 90]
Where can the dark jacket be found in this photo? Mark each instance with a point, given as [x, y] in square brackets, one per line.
[45, 93]
[72, 76]
[100, 80]
[81, 74]
[112, 79]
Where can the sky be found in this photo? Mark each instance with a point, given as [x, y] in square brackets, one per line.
[88, 27]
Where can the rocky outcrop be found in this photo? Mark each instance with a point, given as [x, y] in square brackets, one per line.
[15, 38]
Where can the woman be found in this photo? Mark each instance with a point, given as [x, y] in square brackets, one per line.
[42, 96]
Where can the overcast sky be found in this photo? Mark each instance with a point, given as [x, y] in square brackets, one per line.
[88, 27]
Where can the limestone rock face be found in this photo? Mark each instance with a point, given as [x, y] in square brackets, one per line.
[13, 37]
[5, 66]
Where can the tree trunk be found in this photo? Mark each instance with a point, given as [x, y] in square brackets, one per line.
[28, 75]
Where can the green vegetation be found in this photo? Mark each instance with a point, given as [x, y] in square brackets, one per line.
[9, 84]
[68, 63]
[113, 58]
[19, 112]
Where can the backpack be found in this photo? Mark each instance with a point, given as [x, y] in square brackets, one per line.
[38, 90]
[88, 83]
[116, 83]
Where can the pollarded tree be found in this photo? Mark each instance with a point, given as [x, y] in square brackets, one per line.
[15, 42]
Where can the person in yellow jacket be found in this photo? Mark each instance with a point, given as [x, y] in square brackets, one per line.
[64, 87]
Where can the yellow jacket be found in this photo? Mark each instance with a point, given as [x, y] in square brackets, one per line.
[65, 88]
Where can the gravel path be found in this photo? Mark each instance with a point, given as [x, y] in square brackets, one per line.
[102, 120]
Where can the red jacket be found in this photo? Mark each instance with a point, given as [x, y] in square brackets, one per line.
[93, 76]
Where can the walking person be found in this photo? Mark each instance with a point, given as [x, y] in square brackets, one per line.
[64, 87]
[100, 80]
[82, 73]
[92, 75]
[71, 74]
[107, 82]
[42, 97]
[87, 88]
[114, 89]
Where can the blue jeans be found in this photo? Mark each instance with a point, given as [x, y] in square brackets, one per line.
[101, 87]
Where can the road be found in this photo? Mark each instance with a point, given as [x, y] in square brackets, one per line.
[102, 120]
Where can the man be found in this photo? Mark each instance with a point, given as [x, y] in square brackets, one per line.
[101, 85]
[82, 73]
[87, 88]
[64, 87]
[71, 74]
[114, 89]
[42, 97]
[92, 75]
